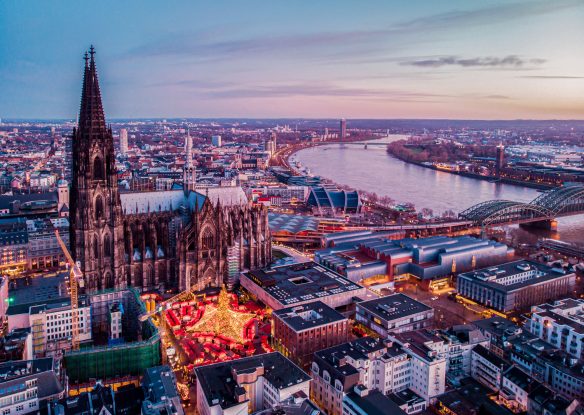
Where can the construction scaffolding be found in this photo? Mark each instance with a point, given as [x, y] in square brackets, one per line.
[139, 350]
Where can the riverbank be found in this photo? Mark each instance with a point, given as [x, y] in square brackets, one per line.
[372, 170]
[490, 179]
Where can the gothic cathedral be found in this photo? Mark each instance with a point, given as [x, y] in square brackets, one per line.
[153, 240]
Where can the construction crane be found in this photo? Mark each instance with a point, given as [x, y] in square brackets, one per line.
[75, 282]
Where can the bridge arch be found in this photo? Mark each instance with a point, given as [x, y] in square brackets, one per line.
[567, 199]
[557, 202]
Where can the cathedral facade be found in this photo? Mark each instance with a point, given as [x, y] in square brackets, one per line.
[181, 239]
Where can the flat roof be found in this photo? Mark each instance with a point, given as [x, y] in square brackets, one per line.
[375, 403]
[291, 284]
[41, 294]
[471, 397]
[394, 306]
[220, 387]
[310, 315]
[493, 276]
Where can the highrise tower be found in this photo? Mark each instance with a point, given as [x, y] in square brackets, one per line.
[500, 161]
[123, 141]
[96, 231]
[189, 172]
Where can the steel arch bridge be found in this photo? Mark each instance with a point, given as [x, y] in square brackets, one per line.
[563, 201]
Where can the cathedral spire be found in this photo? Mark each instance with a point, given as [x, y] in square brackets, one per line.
[91, 115]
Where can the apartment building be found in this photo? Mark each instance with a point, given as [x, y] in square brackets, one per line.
[26, 386]
[561, 324]
[395, 313]
[247, 385]
[300, 331]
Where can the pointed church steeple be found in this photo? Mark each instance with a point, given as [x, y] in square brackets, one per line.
[95, 205]
[91, 115]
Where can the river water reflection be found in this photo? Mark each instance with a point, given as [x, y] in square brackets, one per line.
[373, 170]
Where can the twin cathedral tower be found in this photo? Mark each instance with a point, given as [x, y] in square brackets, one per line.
[159, 239]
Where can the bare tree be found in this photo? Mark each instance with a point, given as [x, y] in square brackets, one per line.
[427, 212]
[386, 201]
[449, 214]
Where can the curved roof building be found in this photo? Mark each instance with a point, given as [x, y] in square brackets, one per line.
[332, 201]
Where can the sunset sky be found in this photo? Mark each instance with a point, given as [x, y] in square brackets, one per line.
[355, 59]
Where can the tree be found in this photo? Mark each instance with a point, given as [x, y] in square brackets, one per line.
[427, 212]
[449, 214]
[386, 201]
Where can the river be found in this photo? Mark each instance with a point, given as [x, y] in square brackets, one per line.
[374, 170]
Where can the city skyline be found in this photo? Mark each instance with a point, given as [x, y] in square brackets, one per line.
[496, 60]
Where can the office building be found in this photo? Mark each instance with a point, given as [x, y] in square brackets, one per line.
[16, 345]
[564, 374]
[44, 250]
[500, 160]
[543, 401]
[216, 141]
[458, 344]
[561, 324]
[43, 305]
[498, 331]
[515, 286]
[403, 367]
[288, 194]
[161, 396]
[27, 386]
[297, 404]
[469, 399]
[13, 245]
[103, 400]
[299, 331]
[428, 356]
[362, 401]
[123, 141]
[395, 313]
[343, 129]
[487, 368]
[515, 389]
[337, 370]
[249, 384]
[298, 284]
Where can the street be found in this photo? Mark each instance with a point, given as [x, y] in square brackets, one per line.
[447, 312]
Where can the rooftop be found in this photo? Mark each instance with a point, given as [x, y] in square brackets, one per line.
[394, 306]
[297, 283]
[280, 222]
[159, 382]
[567, 312]
[309, 315]
[513, 275]
[359, 349]
[375, 403]
[40, 294]
[221, 388]
[471, 398]
[13, 376]
[488, 355]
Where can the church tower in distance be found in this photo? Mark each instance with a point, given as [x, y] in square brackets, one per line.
[97, 238]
